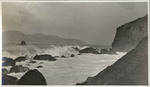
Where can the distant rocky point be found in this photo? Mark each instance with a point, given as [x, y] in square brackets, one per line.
[129, 35]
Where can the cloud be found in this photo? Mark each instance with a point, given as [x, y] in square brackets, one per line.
[14, 16]
[90, 22]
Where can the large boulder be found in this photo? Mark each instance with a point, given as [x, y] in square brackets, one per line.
[129, 35]
[44, 57]
[131, 69]
[8, 61]
[19, 68]
[21, 58]
[104, 51]
[32, 77]
[89, 50]
[9, 80]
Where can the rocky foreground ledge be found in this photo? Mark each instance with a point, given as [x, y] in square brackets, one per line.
[32, 77]
[131, 69]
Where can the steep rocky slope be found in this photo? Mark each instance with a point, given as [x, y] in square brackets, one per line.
[131, 69]
[129, 35]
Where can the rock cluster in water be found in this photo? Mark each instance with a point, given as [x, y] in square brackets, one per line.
[104, 51]
[89, 50]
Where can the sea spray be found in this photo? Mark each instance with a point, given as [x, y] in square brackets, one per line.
[31, 50]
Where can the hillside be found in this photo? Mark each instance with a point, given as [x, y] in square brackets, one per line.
[39, 38]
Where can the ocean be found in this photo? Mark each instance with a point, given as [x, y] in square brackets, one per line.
[63, 71]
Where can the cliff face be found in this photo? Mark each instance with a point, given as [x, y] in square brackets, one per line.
[129, 35]
[131, 69]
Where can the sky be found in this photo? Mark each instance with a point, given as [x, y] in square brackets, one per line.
[74, 0]
[92, 22]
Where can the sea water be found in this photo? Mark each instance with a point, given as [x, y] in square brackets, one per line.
[63, 71]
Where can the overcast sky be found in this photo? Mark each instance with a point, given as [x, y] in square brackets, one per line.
[94, 23]
[74, 0]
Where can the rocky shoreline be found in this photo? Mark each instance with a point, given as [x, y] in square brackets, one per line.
[131, 69]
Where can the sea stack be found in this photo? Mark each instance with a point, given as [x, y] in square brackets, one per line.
[23, 43]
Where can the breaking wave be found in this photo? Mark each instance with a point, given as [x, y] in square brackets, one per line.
[32, 50]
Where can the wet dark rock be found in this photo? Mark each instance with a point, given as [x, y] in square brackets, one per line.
[104, 51]
[44, 57]
[112, 51]
[72, 55]
[18, 69]
[5, 71]
[89, 50]
[21, 58]
[131, 69]
[79, 54]
[32, 77]
[9, 80]
[27, 64]
[56, 56]
[63, 56]
[23, 43]
[129, 35]
[41, 62]
[76, 48]
[33, 62]
[8, 61]
[39, 66]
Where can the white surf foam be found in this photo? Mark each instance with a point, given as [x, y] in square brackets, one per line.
[72, 70]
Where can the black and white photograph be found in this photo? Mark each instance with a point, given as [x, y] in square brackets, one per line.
[75, 43]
